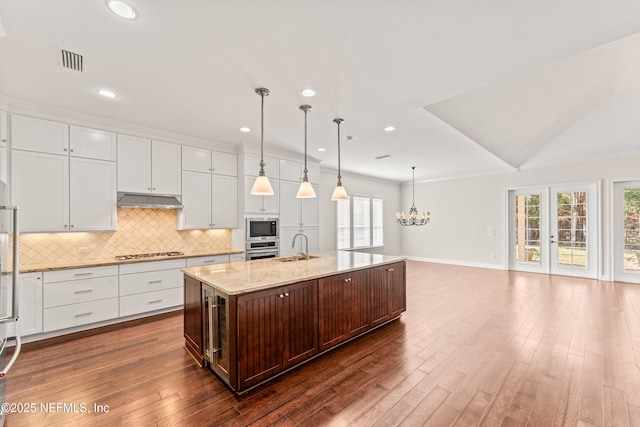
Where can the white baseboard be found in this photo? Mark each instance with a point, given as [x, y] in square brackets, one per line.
[460, 263]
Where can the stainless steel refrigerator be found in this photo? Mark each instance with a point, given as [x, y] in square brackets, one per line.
[9, 293]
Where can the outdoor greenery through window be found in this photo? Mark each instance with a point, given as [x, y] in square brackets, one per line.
[528, 228]
[359, 222]
[632, 229]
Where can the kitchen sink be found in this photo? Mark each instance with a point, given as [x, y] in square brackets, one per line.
[296, 258]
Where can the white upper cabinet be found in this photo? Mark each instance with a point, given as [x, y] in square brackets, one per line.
[40, 187]
[4, 134]
[166, 169]
[205, 161]
[92, 195]
[209, 189]
[196, 159]
[224, 163]
[148, 167]
[44, 136]
[92, 143]
[261, 204]
[252, 165]
[291, 170]
[294, 212]
[134, 164]
[224, 201]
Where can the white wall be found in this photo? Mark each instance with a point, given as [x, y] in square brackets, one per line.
[356, 184]
[463, 210]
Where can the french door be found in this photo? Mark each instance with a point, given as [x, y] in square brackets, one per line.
[626, 231]
[554, 230]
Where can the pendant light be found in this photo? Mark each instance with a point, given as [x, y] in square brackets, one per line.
[339, 193]
[262, 186]
[413, 219]
[305, 191]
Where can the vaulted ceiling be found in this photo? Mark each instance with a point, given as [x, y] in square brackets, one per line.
[470, 87]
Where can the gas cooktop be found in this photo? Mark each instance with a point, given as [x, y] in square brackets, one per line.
[151, 255]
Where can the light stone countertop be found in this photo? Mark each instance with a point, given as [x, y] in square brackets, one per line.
[241, 277]
[31, 268]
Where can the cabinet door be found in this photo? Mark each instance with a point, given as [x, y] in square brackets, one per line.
[224, 201]
[196, 159]
[380, 302]
[166, 169]
[397, 289]
[40, 187]
[313, 172]
[4, 134]
[92, 143]
[271, 204]
[134, 164]
[358, 294]
[224, 163]
[252, 204]
[289, 205]
[193, 318]
[309, 210]
[252, 165]
[290, 170]
[30, 321]
[259, 337]
[92, 195]
[300, 322]
[313, 234]
[333, 311]
[196, 199]
[286, 238]
[44, 136]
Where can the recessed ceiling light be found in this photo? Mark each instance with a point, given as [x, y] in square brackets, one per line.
[389, 129]
[107, 93]
[245, 129]
[122, 9]
[308, 92]
[322, 149]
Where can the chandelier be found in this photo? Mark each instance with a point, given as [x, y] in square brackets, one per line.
[413, 219]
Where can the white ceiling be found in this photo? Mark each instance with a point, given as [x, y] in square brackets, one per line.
[471, 87]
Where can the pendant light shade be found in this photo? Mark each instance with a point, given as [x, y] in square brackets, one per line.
[305, 191]
[339, 193]
[262, 186]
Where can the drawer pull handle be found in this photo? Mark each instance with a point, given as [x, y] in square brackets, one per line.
[155, 281]
[209, 261]
[84, 314]
[84, 291]
[83, 274]
[155, 301]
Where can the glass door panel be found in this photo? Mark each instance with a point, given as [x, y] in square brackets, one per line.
[626, 231]
[528, 230]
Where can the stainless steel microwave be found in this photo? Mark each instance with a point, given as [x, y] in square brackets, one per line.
[262, 229]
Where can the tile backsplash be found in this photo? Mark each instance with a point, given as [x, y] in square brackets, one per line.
[139, 231]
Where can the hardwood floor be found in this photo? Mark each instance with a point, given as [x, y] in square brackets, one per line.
[475, 347]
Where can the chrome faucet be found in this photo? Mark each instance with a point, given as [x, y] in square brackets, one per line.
[306, 239]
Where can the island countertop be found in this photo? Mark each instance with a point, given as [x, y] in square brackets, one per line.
[241, 277]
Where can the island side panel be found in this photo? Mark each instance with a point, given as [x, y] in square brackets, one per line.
[193, 318]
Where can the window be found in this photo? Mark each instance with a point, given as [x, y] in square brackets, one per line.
[359, 222]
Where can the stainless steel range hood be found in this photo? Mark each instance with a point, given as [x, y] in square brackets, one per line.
[152, 201]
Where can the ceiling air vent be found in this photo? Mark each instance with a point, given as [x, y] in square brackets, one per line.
[383, 157]
[71, 60]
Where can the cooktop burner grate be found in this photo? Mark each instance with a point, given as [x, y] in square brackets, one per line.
[151, 255]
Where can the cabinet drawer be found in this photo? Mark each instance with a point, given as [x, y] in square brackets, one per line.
[79, 273]
[77, 291]
[84, 313]
[207, 260]
[141, 267]
[150, 281]
[237, 257]
[150, 301]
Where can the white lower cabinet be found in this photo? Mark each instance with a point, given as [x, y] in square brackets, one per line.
[30, 320]
[149, 286]
[79, 296]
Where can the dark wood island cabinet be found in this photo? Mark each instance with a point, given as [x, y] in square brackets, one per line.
[284, 313]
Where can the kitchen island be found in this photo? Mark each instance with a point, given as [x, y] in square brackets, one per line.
[251, 321]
